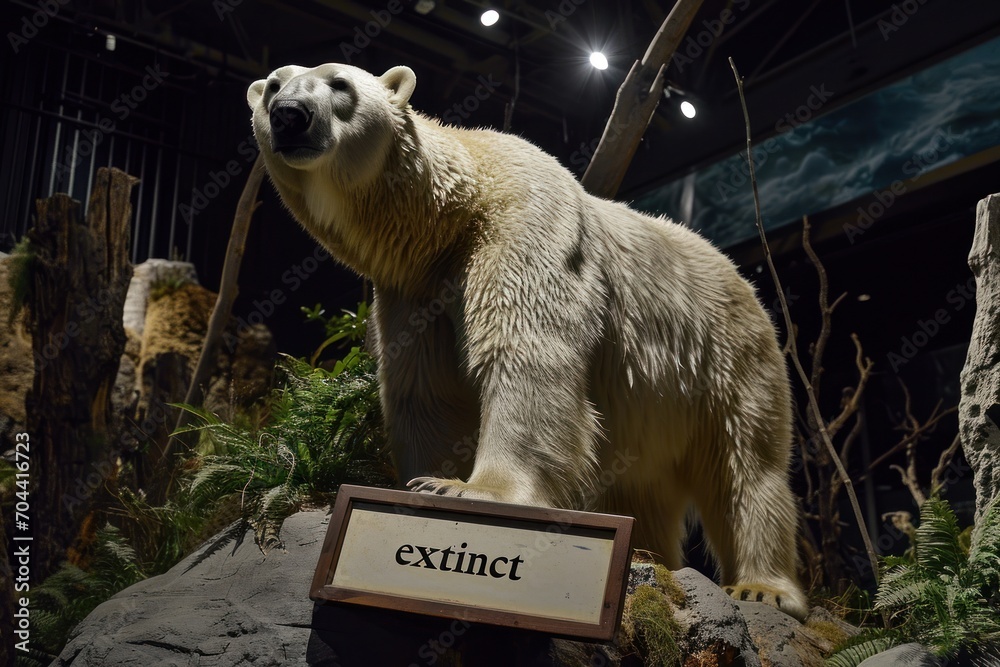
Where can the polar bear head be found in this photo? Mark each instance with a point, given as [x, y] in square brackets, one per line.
[333, 118]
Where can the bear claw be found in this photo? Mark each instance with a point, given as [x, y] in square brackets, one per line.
[441, 487]
[769, 596]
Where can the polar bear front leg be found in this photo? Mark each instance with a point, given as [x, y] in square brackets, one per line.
[429, 406]
[528, 340]
[536, 442]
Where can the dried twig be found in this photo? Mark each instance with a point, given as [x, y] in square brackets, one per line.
[816, 414]
[915, 434]
[864, 366]
[944, 461]
[825, 308]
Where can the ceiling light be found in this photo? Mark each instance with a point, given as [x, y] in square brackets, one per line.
[598, 60]
[489, 17]
[424, 6]
[688, 109]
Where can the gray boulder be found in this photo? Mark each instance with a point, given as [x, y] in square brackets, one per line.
[905, 655]
[228, 604]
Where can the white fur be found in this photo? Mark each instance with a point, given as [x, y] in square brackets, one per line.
[606, 359]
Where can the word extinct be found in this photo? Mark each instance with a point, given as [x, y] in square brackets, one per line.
[475, 560]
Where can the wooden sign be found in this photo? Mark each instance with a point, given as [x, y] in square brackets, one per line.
[556, 571]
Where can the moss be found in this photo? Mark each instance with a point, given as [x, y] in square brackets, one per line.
[20, 277]
[669, 585]
[828, 631]
[649, 627]
[168, 282]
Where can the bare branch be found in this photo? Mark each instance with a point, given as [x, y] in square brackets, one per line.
[910, 481]
[944, 461]
[920, 432]
[813, 404]
[864, 365]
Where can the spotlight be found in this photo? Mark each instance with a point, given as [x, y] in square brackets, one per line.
[598, 60]
[489, 17]
[686, 100]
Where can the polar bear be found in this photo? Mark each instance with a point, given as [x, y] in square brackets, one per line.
[589, 356]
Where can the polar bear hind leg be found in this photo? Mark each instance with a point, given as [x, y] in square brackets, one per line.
[749, 521]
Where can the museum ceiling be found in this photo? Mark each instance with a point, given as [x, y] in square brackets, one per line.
[538, 52]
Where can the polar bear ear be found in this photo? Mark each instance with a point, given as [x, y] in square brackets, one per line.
[400, 81]
[254, 92]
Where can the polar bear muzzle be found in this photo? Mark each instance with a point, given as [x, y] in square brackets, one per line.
[291, 122]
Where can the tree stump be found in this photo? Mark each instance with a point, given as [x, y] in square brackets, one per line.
[80, 277]
[979, 406]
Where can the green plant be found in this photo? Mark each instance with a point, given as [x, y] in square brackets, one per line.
[348, 327]
[20, 277]
[649, 628]
[60, 602]
[168, 282]
[160, 534]
[946, 596]
[325, 430]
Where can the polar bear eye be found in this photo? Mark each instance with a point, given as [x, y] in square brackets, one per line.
[339, 84]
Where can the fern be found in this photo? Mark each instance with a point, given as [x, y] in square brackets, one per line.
[946, 598]
[60, 602]
[325, 430]
[861, 647]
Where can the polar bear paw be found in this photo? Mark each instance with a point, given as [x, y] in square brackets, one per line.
[452, 487]
[791, 602]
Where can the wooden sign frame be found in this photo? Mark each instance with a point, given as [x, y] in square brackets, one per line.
[565, 525]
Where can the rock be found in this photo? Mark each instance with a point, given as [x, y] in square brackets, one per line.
[146, 275]
[717, 632]
[906, 655]
[228, 604]
[225, 604]
[781, 641]
[979, 405]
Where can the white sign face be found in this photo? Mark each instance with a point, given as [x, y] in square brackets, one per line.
[552, 570]
[555, 575]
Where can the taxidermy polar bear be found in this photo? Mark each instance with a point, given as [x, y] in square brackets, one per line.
[594, 356]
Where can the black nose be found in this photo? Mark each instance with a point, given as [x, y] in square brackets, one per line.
[289, 120]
